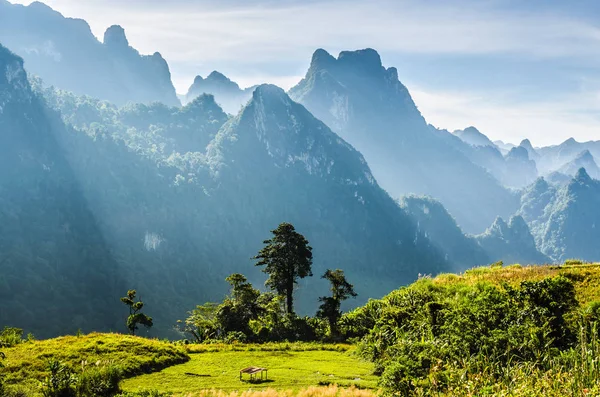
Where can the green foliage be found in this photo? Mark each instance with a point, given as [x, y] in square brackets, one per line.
[330, 308]
[415, 331]
[99, 380]
[286, 257]
[2, 357]
[573, 262]
[497, 264]
[11, 336]
[247, 315]
[135, 315]
[201, 322]
[60, 382]
[26, 363]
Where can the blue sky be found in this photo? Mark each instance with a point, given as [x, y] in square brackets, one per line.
[513, 69]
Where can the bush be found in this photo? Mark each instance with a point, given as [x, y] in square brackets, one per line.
[61, 381]
[11, 336]
[428, 334]
[574, 262]
[99, 380]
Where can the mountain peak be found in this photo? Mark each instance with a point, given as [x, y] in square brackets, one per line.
[321, 59]
[270, 90]
[585, 155]
[582, 176]
[526, 143]
[570, 141]
[474, 137]
[267, 95]
[115, 37]
[518, 152]
[367, 59]
[217, 76]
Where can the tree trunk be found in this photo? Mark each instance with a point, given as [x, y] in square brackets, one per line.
[290, 298]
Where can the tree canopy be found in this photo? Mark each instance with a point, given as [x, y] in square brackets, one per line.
[286, 257]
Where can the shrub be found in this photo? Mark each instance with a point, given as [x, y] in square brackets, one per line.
[11, 336]
[574, 262]
[99, 380]
[61, 381]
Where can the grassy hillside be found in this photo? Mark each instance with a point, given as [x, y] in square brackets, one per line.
[26, 363]
[585, 277]
[494, 331]
[291, 367]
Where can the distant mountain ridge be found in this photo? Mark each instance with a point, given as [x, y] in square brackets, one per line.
[65, 53]
[227, 93]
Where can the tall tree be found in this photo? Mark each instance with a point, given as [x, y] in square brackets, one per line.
[135, 312]
[286, 257]
[341, 290]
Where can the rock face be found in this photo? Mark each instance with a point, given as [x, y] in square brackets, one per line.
[564, 219]
[227, 93]
[54, 263]
[65, 53]
[368, 106]
[512, 242]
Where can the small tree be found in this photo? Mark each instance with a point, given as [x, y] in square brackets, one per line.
[286, 257]
[202, 322]
[242, 306]
[341, 290]
[135, 315]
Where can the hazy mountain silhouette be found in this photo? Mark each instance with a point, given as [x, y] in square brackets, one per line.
[54, 262]
[227, 93]
[65, 53]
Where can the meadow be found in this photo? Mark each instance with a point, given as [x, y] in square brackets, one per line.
[288, 369]
[490, 331]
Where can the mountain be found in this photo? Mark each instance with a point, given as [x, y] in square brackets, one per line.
[564, 218]
[473, 136]
[520, 169]
[512, 242]
[368, 106]
[227, 93]
[583, 160]
[487, 157]
[179, 215]
[553, 158]
[57, 273]
[526, 144]
[503, 147]
[65, 53]
[557, 178]
[437, 224]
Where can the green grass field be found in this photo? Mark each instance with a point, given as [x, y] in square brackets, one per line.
[26, 363]
[288, 370]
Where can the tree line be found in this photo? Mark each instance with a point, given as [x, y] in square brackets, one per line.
[248, 314]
